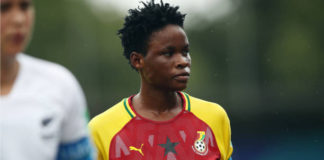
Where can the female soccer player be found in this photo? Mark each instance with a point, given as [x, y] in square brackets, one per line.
[42, 105]
[160, 122]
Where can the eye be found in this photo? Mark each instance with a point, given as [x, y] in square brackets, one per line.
[5, 7]
[25, 5]
[185, 52]
[167, 53]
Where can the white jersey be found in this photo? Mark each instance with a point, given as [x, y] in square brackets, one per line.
[44, 115]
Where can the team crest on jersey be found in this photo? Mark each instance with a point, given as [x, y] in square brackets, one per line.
[200, 146]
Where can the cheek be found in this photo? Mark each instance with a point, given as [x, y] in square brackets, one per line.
[3, 26]
[30, 20]
[4, 32]
[153, 72]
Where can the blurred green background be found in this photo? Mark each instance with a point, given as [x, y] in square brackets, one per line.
[262, 61]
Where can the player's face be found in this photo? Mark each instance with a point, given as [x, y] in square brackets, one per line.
[167, 62]
[17, 18]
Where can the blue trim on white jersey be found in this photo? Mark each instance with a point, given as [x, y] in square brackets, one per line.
[78, 150]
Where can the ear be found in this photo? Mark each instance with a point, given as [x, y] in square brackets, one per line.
[136, 60]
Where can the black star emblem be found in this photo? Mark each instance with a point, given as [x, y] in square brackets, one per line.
[169, 146]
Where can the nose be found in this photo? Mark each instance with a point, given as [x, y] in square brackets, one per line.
[18, 17]
[183, 60]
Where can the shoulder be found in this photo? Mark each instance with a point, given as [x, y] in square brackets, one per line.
[113, 118]
[53, 82]
[47, 74]
[106, 125]
[209, 112]
[206, 108]
[44, 69]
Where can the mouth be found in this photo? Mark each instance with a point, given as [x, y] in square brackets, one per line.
[182, 77]
[18, 38]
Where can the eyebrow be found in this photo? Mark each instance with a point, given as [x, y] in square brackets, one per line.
[173, 48]
[170, 48]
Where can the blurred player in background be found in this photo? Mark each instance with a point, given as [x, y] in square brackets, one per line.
[43, 109]
[160, 122]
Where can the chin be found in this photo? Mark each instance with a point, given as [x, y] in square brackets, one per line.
[11, 51]
[173, 87]
[180, 88]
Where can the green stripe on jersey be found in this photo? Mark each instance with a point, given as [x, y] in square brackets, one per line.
[125, 104]
[188, 100]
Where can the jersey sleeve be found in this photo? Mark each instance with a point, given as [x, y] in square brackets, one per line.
[106, 125]
[228, 141]
[222, 131]
[75, 143]
[95, 137]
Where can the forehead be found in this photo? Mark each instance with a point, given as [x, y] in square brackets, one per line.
[169, 34]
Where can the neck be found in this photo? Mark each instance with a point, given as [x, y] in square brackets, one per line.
[9, 72]
[157, 101]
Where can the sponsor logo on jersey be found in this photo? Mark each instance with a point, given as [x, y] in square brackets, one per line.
[48, 127]
[47, 121]
[199, 146]
[132, 148]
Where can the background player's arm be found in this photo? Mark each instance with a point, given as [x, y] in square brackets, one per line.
[75, 143]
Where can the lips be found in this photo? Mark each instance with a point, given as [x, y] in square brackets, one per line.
[182, 77]
[18, 38]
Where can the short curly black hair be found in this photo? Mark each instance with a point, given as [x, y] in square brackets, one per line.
[142, 22]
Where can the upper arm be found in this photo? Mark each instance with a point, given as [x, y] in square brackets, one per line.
[75, 143]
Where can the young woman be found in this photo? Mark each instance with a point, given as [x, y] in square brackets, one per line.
[160, 122]
[42, 105]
